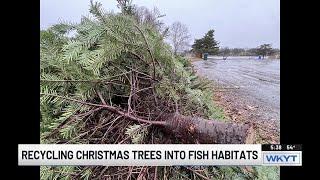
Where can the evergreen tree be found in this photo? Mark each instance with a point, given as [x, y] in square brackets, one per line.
[264, 50]
[207, 44]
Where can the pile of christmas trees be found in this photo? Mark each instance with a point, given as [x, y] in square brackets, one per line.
[111, 79]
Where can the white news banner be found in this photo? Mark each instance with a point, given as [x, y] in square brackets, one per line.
[139, 154]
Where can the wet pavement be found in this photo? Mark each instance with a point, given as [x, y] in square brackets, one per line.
[253, 82]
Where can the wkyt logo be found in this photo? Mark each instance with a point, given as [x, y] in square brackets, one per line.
[282, 158]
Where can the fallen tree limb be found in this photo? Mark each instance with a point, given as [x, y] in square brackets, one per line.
[189, 129]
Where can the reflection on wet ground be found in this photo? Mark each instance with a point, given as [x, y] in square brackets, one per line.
[258, 81]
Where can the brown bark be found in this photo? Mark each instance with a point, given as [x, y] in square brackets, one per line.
[203, 131]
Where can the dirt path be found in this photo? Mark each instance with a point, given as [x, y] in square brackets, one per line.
[248, 91]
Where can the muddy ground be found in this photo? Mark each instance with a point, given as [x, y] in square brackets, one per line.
[248, 91]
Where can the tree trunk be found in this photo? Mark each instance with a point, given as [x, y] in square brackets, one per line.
[199, 130]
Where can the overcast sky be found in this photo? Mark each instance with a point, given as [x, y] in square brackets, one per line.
[237, 23]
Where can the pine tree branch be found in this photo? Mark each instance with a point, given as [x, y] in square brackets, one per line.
[139, 72]
[109, 108]
[82, 81]
[136, 55]
[69, 120]
[100, 96]
[85, 80]
[149, 50]
[202, 176]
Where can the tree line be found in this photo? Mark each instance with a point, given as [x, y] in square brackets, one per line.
[179, 39]
[262, 50]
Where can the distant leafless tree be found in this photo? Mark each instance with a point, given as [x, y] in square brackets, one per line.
[179, 37]
[152, 17]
